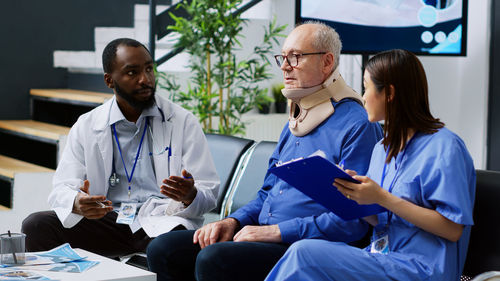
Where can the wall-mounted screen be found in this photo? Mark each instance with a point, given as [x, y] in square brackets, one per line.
[425, 27]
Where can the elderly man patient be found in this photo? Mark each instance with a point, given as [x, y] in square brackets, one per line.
[325, 115]
[133, 168]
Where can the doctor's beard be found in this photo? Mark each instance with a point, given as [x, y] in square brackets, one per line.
[129, 97]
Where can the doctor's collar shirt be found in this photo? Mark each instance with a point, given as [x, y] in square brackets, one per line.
[143, 184]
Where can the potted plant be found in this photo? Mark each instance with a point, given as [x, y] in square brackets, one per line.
[279, 100]
[222, 87]
[263, 102]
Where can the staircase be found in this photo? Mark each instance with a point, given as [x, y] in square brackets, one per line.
[91, 61]
[30, 150]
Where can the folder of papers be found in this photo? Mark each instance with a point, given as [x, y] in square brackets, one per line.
[314, 176]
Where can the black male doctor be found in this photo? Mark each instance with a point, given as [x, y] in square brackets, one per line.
[133, 168]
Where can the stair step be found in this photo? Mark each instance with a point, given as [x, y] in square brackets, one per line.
[34, 129]
[10, 166]
[72, 96]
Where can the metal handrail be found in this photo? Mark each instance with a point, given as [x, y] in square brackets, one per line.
[152, 25]
[158, 24]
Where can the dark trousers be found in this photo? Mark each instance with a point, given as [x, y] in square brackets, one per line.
[104, 236]
[173, 256]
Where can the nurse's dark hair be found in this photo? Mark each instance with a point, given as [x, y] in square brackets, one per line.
[109, 53]
[408, 107]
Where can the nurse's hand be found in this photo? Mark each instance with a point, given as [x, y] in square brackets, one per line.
[366, 192]
[218, 231]
[91, 207]
[180, 189]
[350, 172]
[259, 233]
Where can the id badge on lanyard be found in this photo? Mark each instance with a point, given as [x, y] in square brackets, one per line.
[380, 242]
[380, 239]
[126, 214]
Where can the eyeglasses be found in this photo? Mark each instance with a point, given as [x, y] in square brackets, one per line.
[293, 59]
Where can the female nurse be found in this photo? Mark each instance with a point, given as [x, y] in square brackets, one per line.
[421, 173]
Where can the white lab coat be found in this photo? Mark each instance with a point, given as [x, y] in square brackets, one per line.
[89, 154]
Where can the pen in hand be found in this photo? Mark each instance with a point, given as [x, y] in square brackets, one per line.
[341, 164]
[97, 202]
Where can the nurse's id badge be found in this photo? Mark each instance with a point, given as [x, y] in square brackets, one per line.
[380, 243]
[126, 215]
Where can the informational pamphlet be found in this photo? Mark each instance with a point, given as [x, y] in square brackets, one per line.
[20, 274]
[72, 266]
[61, 259]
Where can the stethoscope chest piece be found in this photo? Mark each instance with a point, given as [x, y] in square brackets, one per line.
[114, 180]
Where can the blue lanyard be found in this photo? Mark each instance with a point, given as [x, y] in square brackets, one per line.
[129, 178]
[397, 169]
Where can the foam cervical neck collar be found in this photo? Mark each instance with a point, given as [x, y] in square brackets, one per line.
[311, 106]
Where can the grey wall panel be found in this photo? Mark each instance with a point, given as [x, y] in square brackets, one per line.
[30, 31]
[493, 152]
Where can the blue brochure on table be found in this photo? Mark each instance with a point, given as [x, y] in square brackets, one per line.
[314, 176]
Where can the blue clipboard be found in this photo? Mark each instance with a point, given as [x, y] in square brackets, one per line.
[314, 176]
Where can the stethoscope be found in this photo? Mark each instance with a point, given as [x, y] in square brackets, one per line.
[114, 180]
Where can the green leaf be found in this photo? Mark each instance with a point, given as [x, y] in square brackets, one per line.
[213, 27]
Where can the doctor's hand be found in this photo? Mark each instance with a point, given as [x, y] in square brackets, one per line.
[259, 233]
[180, 189]
[214, 232]
[90, 206]
[366, 192]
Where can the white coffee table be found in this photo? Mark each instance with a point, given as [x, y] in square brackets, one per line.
[107, 269]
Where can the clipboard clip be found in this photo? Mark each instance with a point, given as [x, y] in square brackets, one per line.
[279, 163]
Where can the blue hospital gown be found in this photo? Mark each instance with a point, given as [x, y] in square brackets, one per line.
[436, 172]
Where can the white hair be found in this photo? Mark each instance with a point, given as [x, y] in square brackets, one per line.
[325, 38]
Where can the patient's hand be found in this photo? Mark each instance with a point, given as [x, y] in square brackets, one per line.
[259, 233]
[218, 231]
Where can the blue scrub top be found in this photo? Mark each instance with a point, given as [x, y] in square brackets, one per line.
[346, 135]
[436, 172]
